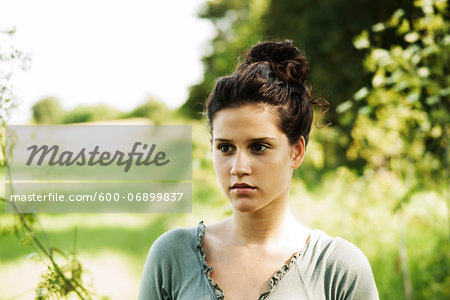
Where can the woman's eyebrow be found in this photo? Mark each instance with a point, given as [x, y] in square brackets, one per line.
[262, 139]
[250, 140]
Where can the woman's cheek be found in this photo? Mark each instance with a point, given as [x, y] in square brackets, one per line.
[221, 168]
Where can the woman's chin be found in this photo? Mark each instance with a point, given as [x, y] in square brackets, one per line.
[245, 205]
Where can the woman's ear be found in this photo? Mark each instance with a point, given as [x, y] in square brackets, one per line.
[298, 153]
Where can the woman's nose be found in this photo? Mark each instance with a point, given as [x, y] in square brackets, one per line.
[241, 164]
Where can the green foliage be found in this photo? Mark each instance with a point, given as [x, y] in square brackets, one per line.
[11, 60]
[52, 285]
[324, 29]
[360, 209]
[401, 132]
[48, 111]
[239, 25]
[404, 116]
[64, 275]
[152, 109]
[85, 113]
[79, 114]
[57, 282]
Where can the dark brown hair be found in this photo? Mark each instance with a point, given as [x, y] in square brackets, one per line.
[273, 74]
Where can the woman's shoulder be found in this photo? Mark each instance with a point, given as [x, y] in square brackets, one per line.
[341, 263]
[175, 241]
[338, 251]
[171, 261]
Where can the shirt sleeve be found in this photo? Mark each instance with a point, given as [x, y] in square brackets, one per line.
[349, 273]
[154, 282]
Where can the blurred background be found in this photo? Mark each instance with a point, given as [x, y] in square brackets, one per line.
[377, 176]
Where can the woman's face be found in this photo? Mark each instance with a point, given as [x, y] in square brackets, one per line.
[252, 157]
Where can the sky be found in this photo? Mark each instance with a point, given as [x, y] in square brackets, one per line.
[115, 52]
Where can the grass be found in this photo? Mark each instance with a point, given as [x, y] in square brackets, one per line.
[129, 241]
[104, 241]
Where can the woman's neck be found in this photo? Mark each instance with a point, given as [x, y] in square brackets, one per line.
[262, 227]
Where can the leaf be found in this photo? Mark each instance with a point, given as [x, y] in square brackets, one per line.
[402, 85]
[446, 40]
[361, 93]
[381, 56]
[404, 27]
[423, 72]
[378, 27]
[411, 37]
[365, 110]
[432, 100]
[378, 79]
[344, 106]
[413, 97]
[362, 40]
[395, 19]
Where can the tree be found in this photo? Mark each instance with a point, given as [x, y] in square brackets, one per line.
[153, 109]
[324, 29]
[404, 114]
[238, 25]
[403, 120]
[48, 111]
[87, 113]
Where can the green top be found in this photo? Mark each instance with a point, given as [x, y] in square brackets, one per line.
[326, 268]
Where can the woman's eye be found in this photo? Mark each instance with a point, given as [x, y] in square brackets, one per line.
[259, 147]
[225, 148]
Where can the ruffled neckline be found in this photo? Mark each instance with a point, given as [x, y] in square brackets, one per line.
[274, 280]
[205, 267]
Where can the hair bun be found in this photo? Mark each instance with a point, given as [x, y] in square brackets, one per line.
[286, 60]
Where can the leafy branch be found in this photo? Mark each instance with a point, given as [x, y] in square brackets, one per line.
[58, 280]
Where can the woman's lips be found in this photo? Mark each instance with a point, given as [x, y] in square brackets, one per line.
[242, 188]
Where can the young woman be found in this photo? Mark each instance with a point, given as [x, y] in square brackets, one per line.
[260, 118]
